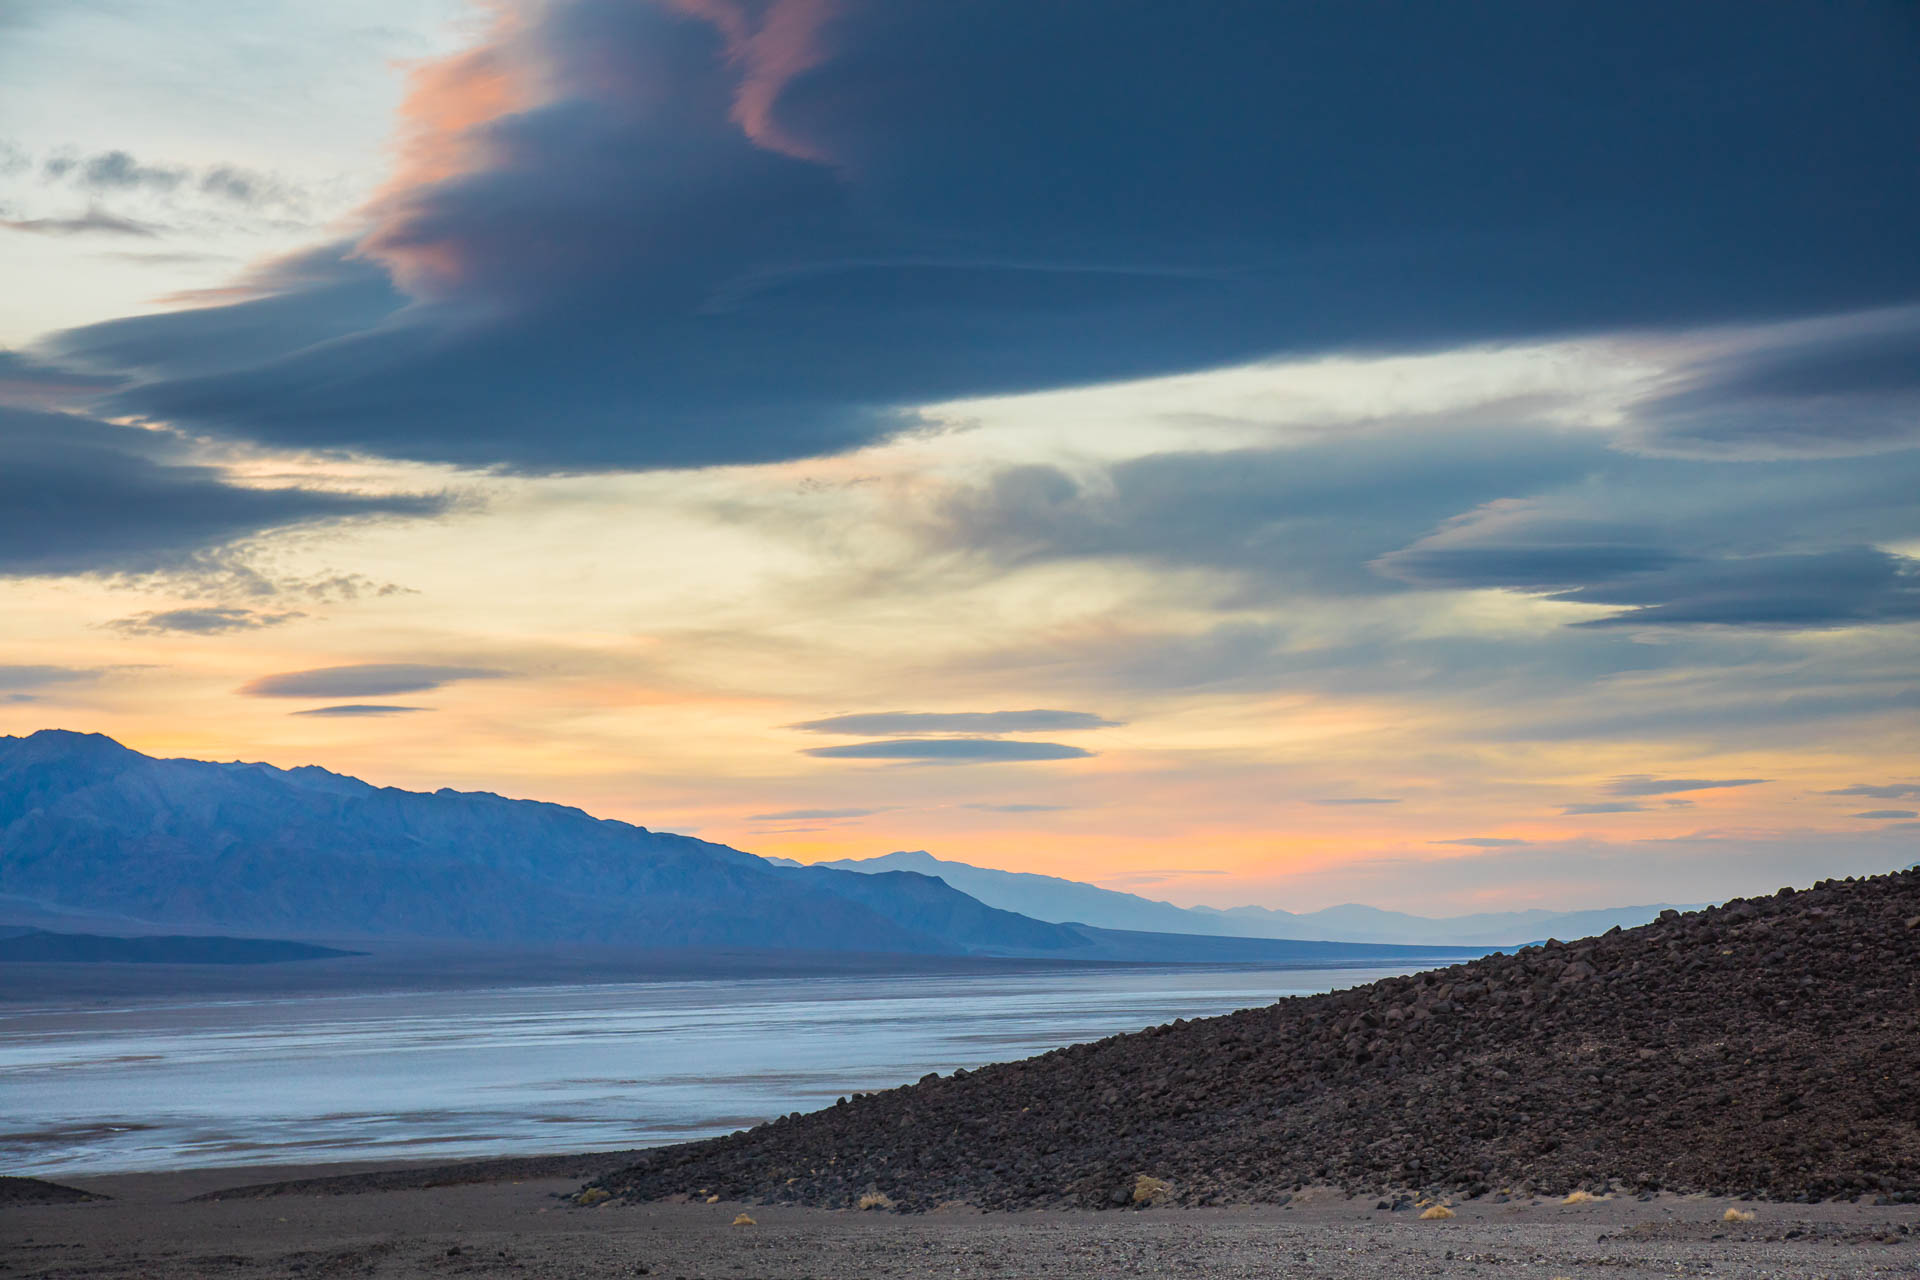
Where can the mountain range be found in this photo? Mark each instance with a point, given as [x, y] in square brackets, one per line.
[1071, 901]
[91, 829]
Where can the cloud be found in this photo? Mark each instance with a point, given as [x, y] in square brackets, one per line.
[285, 306]
[1379, 510]
[31, 384]
[1604, 806]
[1879, 791]
[811, 815]
[1314, 516]
[1646, 570]
[1483, 842]
[1744, 704]
[113, 171]
[1883, 815]
[1346, 800]
[38, 677]
[357, 709]
[119, 171]
[216, 620]
[78, 495]
[1845, 386]
[92, 222]
[1850, 586]
[1641, 784]
[711, 233]
[363, 680]
[921, 722]
[247, 187]
[952, 750]
[1018, 808]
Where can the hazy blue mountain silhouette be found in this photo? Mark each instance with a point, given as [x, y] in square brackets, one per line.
[40, 946]
[1056, 899]
[92, 830]
[89, 825]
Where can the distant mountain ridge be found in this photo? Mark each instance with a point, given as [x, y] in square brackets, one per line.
[40, 946]
[1071, 901]
[88, 824]
[91, 829]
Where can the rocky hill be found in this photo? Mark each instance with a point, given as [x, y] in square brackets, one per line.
[1770, 1046]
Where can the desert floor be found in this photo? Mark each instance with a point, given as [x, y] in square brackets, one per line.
[527, 1229]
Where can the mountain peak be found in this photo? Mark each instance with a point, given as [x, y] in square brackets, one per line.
[55, 744]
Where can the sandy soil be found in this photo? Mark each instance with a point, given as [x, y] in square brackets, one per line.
[154, 1228]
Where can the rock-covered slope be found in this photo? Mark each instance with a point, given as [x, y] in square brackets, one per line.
[1769, 1046]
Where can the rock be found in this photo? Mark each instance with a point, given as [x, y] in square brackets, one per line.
[1702, 1053]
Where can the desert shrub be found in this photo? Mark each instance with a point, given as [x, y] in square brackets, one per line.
[1148, 1190]
[591, 1197]
[742, 1220]
[1436, 1211]
[876, 1200]
[1578, 1196]
[1737, 1215]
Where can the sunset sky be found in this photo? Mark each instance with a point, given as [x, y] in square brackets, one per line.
[1451, 457]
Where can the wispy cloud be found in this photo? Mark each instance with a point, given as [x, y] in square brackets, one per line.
[367, 679]
[922, 722]
[1603, 806]
[92, 222]
[1879, 791]
[205, 622]
[951, 750]
[812, 815]
[1641, 784]
[1484, 842]
[354, 710]
[1885, 815]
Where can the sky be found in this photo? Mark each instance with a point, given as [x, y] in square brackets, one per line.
[1448, 457]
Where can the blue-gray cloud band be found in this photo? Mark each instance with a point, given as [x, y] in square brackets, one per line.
[78, 495]
[635, 283]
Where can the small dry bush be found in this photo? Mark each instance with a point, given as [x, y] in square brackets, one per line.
[876, 1200]
[591, 1197]
[742, 1220]
[1437, 1211]
[1578, 1196]
[1737, 1215]
[1148, 1190]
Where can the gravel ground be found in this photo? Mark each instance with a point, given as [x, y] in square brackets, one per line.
[526, 1230]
